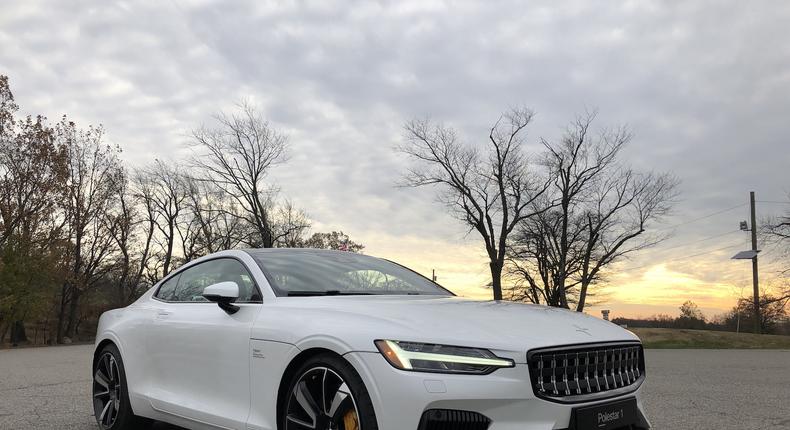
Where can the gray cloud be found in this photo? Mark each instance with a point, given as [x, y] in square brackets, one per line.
[704, 85]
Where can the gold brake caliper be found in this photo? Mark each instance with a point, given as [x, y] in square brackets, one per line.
[350, 420]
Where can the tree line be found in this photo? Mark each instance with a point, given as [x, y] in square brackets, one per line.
[80, 232]
[773, 318]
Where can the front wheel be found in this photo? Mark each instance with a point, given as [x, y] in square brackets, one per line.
[111, 405]
[326, 393]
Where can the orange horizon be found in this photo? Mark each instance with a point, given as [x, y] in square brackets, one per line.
[713, 281]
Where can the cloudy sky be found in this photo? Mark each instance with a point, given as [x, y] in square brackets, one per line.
[705, 86]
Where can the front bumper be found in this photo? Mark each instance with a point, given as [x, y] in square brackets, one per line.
[504, 396]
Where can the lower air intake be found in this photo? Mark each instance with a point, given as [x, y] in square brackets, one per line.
[449, 419]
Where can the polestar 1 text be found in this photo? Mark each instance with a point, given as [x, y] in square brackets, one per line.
[291, 339]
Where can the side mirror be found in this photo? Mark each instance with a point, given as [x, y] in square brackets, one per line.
[223, 294]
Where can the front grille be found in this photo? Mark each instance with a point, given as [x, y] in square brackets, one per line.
[585, 372]
[450, 419]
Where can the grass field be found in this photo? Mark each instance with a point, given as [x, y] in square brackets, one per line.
[705, 339]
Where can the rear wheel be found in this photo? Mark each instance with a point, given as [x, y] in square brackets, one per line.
[326, 393]
[111, 405]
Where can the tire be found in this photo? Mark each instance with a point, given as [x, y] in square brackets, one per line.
[111, 405]
[309, 403]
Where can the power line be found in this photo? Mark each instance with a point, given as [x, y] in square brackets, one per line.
[699, 240]
[690, 243]
[704, 217]
[706, 252]
[685, 257]
[774, 201]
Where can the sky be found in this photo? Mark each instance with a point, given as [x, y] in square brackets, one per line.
[704, 86]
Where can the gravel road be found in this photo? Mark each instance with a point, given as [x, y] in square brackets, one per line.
[49, 388]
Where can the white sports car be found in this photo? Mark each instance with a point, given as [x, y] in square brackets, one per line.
[305, 339]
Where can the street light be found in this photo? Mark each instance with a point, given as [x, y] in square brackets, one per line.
[746, 255]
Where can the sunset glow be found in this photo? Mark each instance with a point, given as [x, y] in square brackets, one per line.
[714, 281]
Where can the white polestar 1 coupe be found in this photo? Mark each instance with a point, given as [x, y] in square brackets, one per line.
[292, 339]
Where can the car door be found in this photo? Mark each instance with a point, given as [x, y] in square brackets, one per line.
[199, 353]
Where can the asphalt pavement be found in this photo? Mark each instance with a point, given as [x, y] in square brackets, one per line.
[718, 389]
[49, 388]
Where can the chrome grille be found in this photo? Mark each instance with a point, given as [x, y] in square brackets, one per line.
[582, 372]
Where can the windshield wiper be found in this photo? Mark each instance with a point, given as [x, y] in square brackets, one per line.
[308, 293]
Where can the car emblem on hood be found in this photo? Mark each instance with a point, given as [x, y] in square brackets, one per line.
[584, 330]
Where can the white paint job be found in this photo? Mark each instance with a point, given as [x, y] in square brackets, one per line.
[194, 365]
[227, 290]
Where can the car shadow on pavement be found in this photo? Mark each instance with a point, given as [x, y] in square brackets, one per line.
[164, 426]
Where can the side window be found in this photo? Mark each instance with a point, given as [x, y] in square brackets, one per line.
[167, 290]
[195, 279]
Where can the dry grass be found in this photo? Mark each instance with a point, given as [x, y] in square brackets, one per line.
[706, 339]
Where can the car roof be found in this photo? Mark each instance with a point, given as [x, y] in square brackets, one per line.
[297, 251]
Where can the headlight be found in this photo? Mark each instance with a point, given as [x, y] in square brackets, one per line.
[426, 357]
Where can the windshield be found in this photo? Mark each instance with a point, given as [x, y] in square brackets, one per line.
[315, 272]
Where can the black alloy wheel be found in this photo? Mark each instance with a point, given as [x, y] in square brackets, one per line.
[111, 405]
[327, 394]
[106, 390]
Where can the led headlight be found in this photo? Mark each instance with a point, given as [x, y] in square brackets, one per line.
[426, 357]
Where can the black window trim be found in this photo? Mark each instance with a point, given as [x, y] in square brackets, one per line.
[185, 268]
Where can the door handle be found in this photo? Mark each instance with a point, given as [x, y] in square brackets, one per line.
[162, 315]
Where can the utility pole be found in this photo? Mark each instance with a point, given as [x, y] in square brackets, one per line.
[755, 278]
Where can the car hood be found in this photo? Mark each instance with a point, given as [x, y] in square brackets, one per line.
[508, 327]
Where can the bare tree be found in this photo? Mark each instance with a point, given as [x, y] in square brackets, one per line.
[121, 221]
[133, 234]
[8, 108]
[491, 191]
[601, 213]
[773, 311]
[336, 240]
[142, 190]
[533, 259]
[290, 226]
[215, 219]
[626, 205]
[237, 155]
[777, 232]
[164, 192]
[94, 174]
